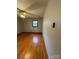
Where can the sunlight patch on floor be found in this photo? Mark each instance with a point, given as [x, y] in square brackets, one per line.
[27, 55]
[35, 39]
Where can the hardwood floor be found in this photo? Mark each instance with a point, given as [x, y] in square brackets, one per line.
[31, 46]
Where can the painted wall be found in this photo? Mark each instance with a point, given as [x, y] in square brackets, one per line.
[25, 25]
[19, 25]
[52, 36]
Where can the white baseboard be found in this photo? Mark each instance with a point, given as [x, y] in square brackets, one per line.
[54, 57]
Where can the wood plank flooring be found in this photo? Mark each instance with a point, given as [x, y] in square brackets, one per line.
[30, 46]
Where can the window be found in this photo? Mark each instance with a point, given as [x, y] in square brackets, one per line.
[35, 23]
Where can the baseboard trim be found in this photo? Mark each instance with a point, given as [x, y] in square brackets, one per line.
[29, 32]
[45, 46]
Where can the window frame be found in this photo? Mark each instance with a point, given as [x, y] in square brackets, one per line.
[32, 23]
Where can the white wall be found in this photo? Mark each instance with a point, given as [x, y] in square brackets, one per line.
[52, 36]
[19, 25]
[25, 25]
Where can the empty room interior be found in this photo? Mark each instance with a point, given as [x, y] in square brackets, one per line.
[38, 29]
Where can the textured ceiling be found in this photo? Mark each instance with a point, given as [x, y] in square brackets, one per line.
[32, 6]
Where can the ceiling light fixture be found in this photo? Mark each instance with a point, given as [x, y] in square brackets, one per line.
[23, 14]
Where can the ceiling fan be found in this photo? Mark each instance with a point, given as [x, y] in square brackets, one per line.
[21, 13]
[24, 14]
[20, 10]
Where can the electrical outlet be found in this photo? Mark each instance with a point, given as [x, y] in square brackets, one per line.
[53, 25]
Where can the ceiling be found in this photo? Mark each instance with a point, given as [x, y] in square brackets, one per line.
[35, 7]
